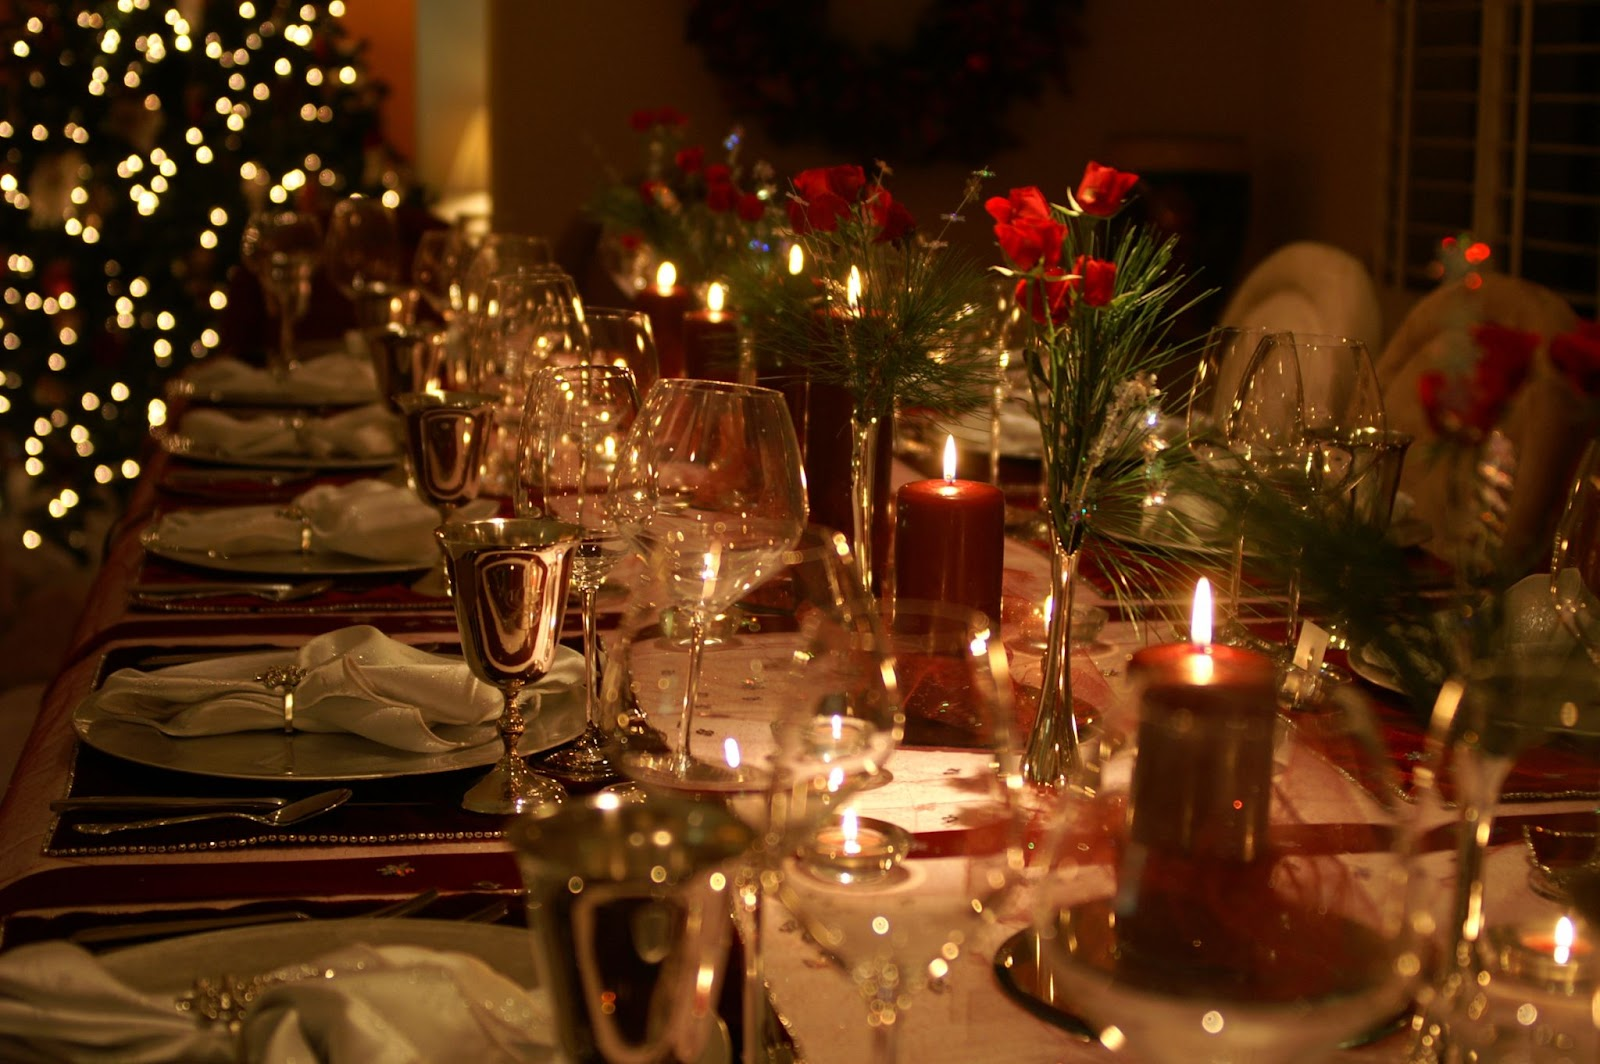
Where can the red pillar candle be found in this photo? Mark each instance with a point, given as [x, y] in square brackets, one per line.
[949, 540]
[666, 303]
[711, 341]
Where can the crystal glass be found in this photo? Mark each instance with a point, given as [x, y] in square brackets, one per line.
[1217, 376]
[1575, 568]
[1221, 884]
[282, 249]
[361, 256]
[892, 916]
[708, 490]
[438, 269]
[619, 337]
[508, 579]
[574, 427]
[502, 253]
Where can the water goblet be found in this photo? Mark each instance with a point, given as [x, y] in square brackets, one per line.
[619, 337]
[438, 269]
[708, 489]
[508, 579]
[361, 256]
[572, 432]
[282, 247]
[447, 434]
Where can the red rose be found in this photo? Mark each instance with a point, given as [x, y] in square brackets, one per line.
[650, 191]
[671, 116]
[642, 120]
[1046, 299]
[1103, 189]
[721, 196]
[1098, 279]
[718, 173]
[819, 212]
[751, 207]
[1022, 203]
[893, 220]
[846, 182]
[1474, 402]
[1031, 242]
[1576, 355]
[690, 159]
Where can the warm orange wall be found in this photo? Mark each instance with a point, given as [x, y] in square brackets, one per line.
[390, 29]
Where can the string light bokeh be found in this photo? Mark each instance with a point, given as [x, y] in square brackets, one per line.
[136, 138]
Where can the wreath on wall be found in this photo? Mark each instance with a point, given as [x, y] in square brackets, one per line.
[943, 97]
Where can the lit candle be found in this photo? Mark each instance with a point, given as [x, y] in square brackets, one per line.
[949, 541]
[1552, 956]
[666, 302]
[711, 339]
[852, 291]
[1202, 785]
[854, 850]
[797, 260]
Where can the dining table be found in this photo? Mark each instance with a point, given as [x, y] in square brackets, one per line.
[401, 835]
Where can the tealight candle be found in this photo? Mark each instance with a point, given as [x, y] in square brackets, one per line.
[1555, 956]
[855, 850]
[949, 541]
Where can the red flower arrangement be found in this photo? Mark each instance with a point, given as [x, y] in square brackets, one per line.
[826, 196]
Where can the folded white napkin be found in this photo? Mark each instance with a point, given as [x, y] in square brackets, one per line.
[369, 431]
[389, 1004]
[365, 519]
[356, 680]
[341, 373]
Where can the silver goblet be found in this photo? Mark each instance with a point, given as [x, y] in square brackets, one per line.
[508, 577]
[447, 436]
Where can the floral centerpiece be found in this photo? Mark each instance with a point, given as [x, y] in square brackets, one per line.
[685, 205]
[1102, 299]
[882, 314]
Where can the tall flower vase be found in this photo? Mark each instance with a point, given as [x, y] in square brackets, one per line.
[1053, 741]
[864, 492]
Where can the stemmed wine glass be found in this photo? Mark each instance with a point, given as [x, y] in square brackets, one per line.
[620, 337]
[438, 269]
[446, 437]
[281, 248]
[709, 491]
[498, 254]
[893, 916]
[1222, 884]
[1575, 567]
[1223, 360]
[509, 582]
[362, 257]
[572, 432]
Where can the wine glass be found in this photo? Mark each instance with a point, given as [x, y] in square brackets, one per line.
[572, 432]
[502, 253]
[508, 579]
[708, 490]
[1221, 884]
[796, 709]
[619, 337]
[438, 269]
[893, 916]
[1223, 360]
[281, 248]
[361, 256]
[1575, 567]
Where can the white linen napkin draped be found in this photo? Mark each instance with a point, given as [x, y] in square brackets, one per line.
[357, 680]
[341, 373]
[367, 519]
[382, 1005]
[369, 431]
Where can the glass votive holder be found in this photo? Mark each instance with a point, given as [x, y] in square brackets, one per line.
[854, 849]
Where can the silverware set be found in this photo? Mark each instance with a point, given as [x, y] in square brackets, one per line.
[273, 812]
[269, 591]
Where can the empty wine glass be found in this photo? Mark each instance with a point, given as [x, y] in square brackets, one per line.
[1217, 376]
[572, 432]
[281, 248]
[1220, 884]
[708, 489]
[1575, 568]
[508, 579]
[361, 256]
[438, 269]
[893, 916]
[619, 337]
[502, 253]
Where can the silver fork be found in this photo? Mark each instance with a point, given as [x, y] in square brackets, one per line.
[292, 813]
[270, 591]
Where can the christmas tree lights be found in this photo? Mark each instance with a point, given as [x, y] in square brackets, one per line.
[136, 136]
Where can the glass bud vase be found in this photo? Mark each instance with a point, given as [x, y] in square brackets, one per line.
[863, 491]
[1053, 740]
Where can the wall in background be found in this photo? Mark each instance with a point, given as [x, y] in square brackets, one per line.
[1297, 91]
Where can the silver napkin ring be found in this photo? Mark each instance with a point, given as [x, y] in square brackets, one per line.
[283, 679]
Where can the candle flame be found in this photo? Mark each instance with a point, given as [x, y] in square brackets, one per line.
[1565, 935]
[730, 752]
[666, 278]
[433, 388]
[1200, 615]
[716, 297]
[797, 259]
[852, 290]
[851, 829]
[949, 459]
[836, 725]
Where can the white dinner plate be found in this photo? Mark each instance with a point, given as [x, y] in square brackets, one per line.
[332, 756]
[281, 563]
[180, 446]
[172, 965]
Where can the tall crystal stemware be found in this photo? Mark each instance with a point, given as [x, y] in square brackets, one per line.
[438, 269]
[572, 433]
[282, 249]
[708, 489]
[508, 579]
[621, 337]
[361, 256]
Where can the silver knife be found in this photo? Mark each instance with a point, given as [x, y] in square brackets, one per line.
[138, 801]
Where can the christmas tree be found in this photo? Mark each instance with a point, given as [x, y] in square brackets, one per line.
[137, 138]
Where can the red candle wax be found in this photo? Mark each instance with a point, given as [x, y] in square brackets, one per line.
[711, 345]
[666, 307]
[949, 543]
